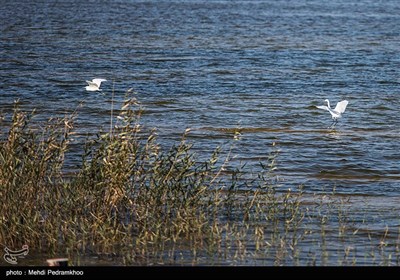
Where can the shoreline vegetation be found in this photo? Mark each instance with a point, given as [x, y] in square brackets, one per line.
[132, 202]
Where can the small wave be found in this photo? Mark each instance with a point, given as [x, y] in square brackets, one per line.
[172, 58]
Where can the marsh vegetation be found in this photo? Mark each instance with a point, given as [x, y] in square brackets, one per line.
[135, 202]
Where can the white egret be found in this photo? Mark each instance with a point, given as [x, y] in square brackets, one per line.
[94, 85]
[337, 112]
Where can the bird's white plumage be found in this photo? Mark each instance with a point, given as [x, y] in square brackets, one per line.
[94, 85]
[337, 112]
[341, 106]
[339, 109]
[323, 107]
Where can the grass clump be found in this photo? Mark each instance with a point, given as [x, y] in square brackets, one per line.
[134, 203]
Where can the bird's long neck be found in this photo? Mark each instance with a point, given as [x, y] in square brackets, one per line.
[329, 105]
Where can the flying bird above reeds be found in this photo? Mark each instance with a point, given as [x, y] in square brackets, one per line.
[94, 85]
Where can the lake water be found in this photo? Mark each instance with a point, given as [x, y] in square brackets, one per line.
[214, 66]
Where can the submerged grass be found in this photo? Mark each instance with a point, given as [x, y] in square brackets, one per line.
[134, 203]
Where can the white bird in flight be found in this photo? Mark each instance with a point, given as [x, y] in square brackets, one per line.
[337, 112]
[94, 85]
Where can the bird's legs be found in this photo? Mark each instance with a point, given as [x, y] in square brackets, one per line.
[335, 121]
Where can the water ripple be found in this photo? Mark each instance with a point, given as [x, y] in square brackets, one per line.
[220, 67]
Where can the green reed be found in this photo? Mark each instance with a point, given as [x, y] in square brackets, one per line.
[133, 202]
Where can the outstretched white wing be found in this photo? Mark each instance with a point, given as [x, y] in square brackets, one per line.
[92, 84]
[341, 106]
[98, 81]
[323, 107]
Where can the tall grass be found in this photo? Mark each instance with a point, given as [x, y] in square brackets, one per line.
[134, 203]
